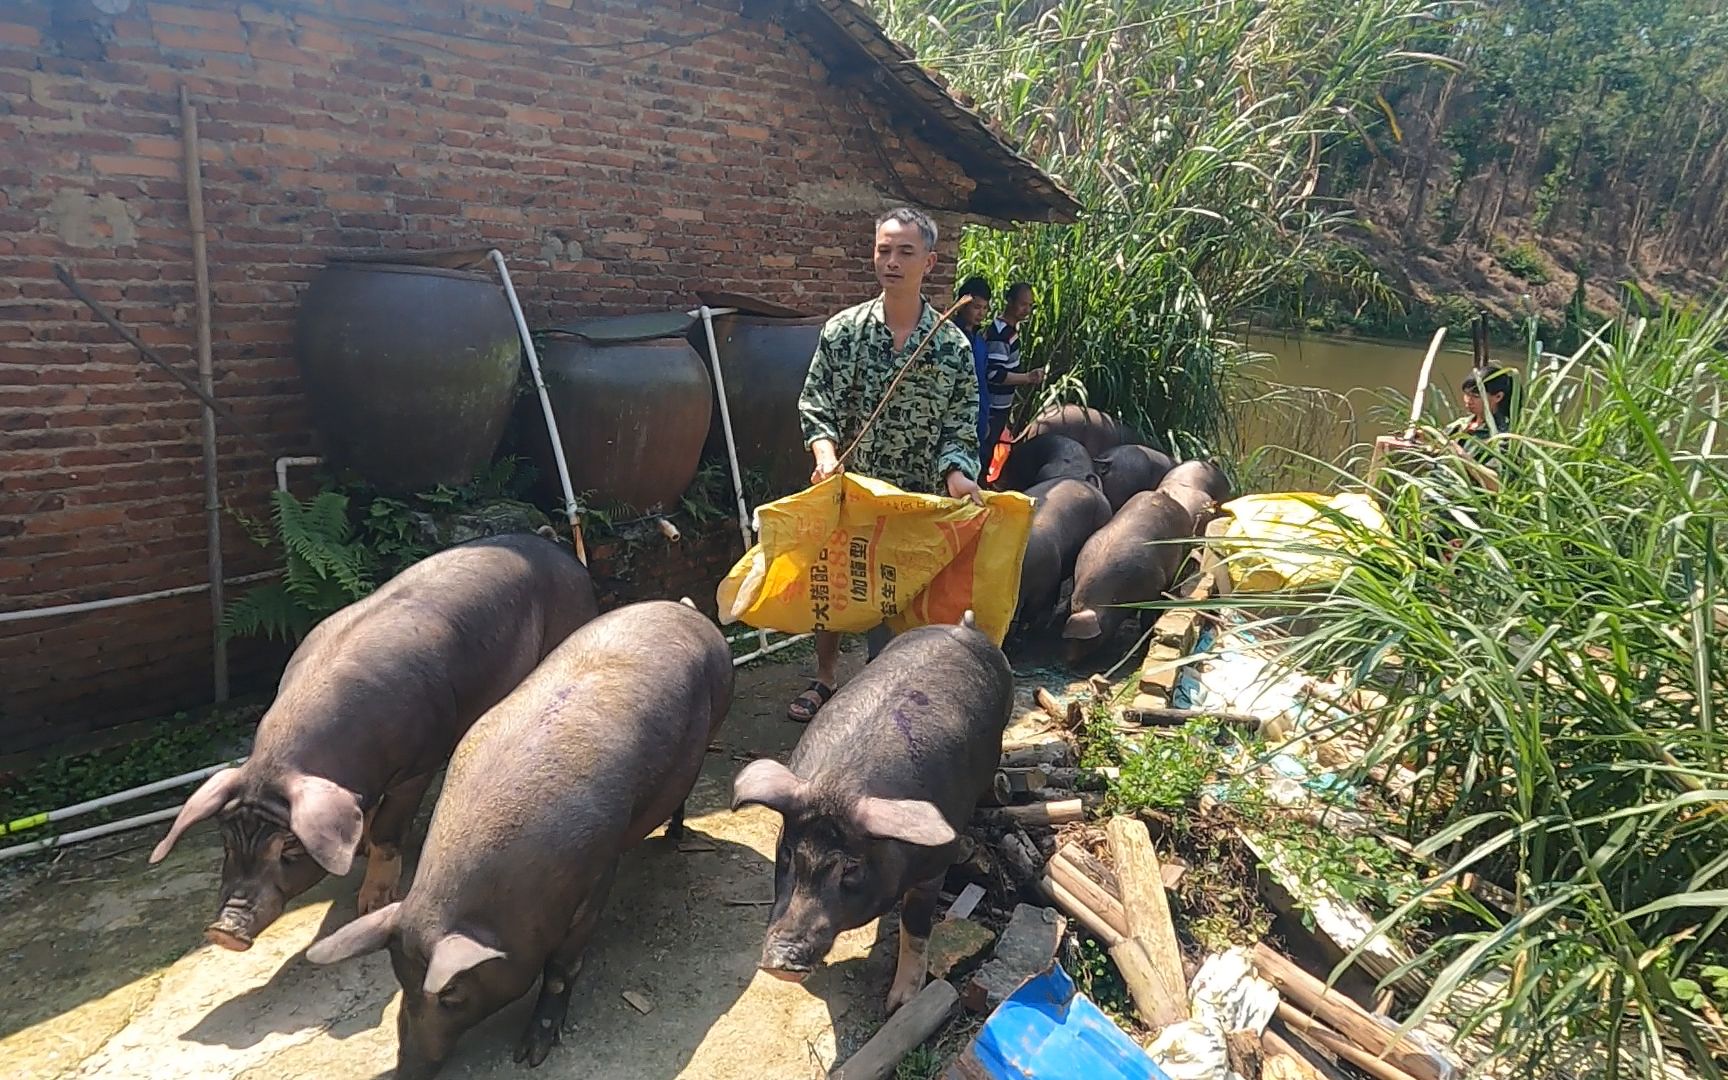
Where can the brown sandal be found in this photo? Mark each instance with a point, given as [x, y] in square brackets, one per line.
[805, 706]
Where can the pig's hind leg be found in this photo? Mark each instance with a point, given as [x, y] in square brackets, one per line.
[552, 1007]
[917, 916]
[385, 831]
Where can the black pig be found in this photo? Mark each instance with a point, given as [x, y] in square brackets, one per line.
[879, 786]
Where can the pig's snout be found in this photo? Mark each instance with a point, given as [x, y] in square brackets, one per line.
[231, 930]
[788, 960]
[242, 918]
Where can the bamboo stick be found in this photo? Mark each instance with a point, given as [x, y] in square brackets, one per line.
[1320, 1003]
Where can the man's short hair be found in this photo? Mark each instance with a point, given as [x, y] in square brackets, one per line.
[918, 219]
[1016, 289]
[975, 286]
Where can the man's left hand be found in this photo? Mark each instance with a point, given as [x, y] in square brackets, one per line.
[961, 486]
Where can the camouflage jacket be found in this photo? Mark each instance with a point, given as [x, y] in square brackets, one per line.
[928, 427]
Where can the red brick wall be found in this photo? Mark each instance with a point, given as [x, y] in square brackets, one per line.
[614, 176]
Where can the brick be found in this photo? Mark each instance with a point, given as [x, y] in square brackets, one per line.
[16, 34]
[1027, 947]
[198, 40]
[129, 165]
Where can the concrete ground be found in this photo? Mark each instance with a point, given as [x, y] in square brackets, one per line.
[107, 976]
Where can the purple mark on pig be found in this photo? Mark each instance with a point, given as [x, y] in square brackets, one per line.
[904, 717]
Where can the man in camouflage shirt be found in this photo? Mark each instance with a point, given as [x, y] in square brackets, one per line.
[926, 437]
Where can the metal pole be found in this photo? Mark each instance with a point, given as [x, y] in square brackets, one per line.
[207, 383]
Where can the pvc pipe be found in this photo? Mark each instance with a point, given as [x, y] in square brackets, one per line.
[122, 601]
[123, 825]
[206, 383]
[497, 258]
[37, 820]
[744, 529]
[283, 464]
[740, 661]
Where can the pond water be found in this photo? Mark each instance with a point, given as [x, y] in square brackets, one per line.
[1341, 391]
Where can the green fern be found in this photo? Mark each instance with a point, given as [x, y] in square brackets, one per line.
[325, 568]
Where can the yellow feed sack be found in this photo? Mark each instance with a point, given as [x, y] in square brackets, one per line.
[1288, 540]
[851, 551]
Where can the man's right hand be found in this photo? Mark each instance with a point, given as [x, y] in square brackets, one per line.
[827, 461]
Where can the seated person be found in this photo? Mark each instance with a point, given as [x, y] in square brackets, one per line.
[1487, 396]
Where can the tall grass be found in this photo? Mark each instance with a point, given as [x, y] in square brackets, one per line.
[1193, 134]
[1557, 681]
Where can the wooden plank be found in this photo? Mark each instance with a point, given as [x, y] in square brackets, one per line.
[1055, 753]
[966, 902]
[904, 1032]
[1309, 1064]
[1130, 960]
[1317, 1001]
[1088, 892]
[1148, 912]
[1282, 1061]
[1040, 815]
[1333, 1043]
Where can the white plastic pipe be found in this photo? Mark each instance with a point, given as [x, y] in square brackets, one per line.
[766, 650]
[707, 313]
[497, 258]
[123, 825]
[284, 463]
[123, 601]
[139, 792]
[746, 529]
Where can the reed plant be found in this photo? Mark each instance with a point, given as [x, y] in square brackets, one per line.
[1551, 652]
[1193, 134]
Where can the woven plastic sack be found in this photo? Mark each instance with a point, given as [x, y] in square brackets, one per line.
[853, 552]
[1296, 540]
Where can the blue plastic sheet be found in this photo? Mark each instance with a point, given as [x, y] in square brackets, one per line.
[1048, 1030]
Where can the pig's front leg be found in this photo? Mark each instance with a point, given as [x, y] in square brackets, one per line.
[385, 831]
[546, 1023]
[917, 916]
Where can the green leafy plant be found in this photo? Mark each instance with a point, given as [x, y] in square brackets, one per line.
[1524, 261]
[1167, 772]
[324, 569]
[340, 544]
[1552, 652]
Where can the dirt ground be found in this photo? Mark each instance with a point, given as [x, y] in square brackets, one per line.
[108, 976]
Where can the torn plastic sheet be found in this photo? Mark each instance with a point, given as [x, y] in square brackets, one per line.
[1048, 1030]
[1225, 997]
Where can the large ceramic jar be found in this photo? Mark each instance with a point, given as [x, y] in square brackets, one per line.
[764, 361]
[632, 399]
[409, 370]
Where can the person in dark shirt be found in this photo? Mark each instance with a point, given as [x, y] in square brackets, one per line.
[1003, 374]
[970, 319]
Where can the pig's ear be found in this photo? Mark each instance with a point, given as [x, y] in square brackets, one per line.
[912, 821]
[368, 933]
[1101, 467]
[204, 802]
[454, 954]
[1083, 624]
[326, 818]
[766, 782]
